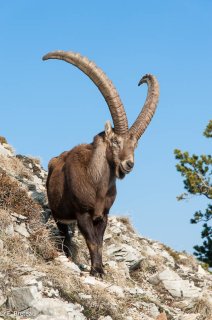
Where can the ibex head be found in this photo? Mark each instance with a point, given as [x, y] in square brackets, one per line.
[121, 148]
[120, 140]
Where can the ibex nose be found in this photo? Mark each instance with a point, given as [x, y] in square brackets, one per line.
[130, 164]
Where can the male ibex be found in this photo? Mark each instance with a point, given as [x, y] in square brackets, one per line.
[81, 183]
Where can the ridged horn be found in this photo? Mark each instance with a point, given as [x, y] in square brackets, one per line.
[104, 85]
[150, 105]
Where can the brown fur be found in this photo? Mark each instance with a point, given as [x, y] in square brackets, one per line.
[81, 185]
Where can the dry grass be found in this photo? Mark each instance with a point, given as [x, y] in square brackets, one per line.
[201, 305]
[15, 167]
[15, 199]
[103, 304]
[15, 251]
[126, 221]
[3, 140]
[182, 258]
[43, 244]
[70, 286]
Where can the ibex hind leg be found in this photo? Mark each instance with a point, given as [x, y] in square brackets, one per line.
[66, 238]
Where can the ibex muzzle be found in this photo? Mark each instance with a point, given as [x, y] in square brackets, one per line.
[81, 183]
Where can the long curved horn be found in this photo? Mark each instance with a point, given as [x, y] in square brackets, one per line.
[104, 85]
[149, 107]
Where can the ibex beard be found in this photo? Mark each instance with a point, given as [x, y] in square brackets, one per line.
[81, 183]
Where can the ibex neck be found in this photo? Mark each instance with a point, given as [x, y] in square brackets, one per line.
[98, 163]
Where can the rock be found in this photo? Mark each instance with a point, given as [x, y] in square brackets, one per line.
[44, 317]
[40, 286]
[201, 271]
[175, 285]
[21, 298]
[135, 291]
[68, 264]
[2, 298]
[94, 282]
[37, 196]
[1, 246]
[162, 316]
[107, 236]
[22, 230]
[38, 275]
[118, 291]
[52, 293]
[28, 280]
[153, 310]
[112, 264]
[191, 316]
[148, 250]
[124, 252]
[4, 151]
[135, 266]
[18, 217]
[9, 230]
[85, 296]
[62, 258]
[72, 266]
[105, 318]
[136, 315]
[56, 308]
[201, 304]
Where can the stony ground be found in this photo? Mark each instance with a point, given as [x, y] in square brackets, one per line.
[144, 279]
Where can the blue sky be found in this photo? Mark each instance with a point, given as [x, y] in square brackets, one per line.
[48, 107]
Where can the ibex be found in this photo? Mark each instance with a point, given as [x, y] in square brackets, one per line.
[81, 183]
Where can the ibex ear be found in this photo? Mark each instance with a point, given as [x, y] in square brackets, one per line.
[108, 129]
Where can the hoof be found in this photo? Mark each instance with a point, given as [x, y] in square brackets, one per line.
[97, 272]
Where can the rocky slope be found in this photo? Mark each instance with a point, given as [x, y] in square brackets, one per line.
[144, 278]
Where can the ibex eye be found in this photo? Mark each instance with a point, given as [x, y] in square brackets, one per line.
[115, 142]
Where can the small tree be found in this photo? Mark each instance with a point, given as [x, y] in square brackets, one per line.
[197, 173]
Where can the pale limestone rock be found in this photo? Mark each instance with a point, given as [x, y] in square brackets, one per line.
[135, 291]
[1, 246]
[9, 230]
[107, 236]
[28, 280]
[85, 296]
[21, 298]
[38, 275]
[191, 316]
[68, 264]
[124, 252]
[3, 299]
[94, 282]
[40, 286]
[22, 230]
[201, 271]
[153, 310]
[112, 264]
[57, 308]
[52, 293]
[117, 290]
[148, 251]
[44, 317]
[18, 217]
[72, 267]
[175, 285]
[4, 151]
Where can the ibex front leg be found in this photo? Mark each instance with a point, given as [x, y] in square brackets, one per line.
[86, 226]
